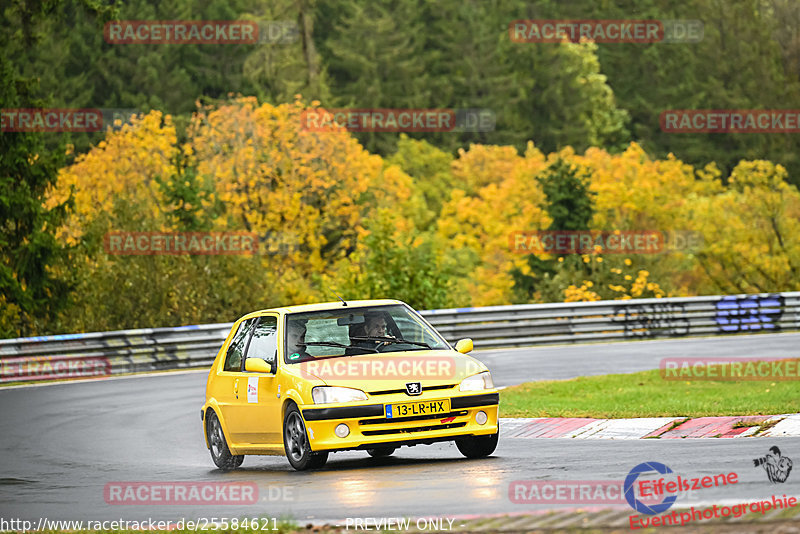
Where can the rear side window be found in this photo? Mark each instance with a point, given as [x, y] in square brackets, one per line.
[264, 343]
[233, 359]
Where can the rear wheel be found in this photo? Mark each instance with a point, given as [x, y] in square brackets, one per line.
[380, 452]
[296, 445]
[477, 446]
[218, 446]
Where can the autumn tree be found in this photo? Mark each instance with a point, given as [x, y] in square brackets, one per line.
[244, 167]
[493, 197]
[392, 263]
[569, 203]
[430, 168]
[750, 229]
[273, 174]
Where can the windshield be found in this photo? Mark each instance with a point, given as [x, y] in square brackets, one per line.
[353, 331]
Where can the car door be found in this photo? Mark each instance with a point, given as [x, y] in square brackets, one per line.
[261, 400]
[231, 383]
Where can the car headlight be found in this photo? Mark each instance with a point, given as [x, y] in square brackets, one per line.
[477, 382]
[328, 394]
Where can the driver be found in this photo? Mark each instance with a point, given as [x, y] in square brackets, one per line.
[296, 340]
[375, 324]
[374, 327]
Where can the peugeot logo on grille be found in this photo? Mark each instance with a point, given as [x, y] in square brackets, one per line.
[413, 388]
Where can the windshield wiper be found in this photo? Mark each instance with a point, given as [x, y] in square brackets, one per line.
[335, 344]
[391, 340]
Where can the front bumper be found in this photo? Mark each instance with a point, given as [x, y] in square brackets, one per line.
[369, 428]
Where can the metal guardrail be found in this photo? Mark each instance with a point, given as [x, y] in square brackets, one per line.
[128, 351]
[615, 320]
[108, 353]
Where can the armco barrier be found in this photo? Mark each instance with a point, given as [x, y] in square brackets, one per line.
[127, 351]
[611, 320]
[104, 353]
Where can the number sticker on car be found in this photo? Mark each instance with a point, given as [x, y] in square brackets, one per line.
[409, 409]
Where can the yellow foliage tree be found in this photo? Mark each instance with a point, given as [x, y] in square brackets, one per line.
[497, 195]
[310, 191]
[275, 177]
[637, 192]
[751, 228]
[123, 166]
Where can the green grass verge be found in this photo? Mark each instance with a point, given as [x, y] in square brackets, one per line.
[646, 394]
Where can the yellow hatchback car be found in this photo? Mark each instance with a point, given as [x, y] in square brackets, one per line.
[308, 380]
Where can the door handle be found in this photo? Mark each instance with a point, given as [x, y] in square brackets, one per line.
[236, 388]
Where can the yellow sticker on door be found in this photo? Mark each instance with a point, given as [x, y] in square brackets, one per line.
[252, 389]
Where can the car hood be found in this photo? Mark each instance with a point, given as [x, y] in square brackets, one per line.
[392, 370]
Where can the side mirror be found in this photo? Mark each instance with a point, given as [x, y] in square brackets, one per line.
[464, 345]
[257, 365]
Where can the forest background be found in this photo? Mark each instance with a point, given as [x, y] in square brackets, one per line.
[215, 143]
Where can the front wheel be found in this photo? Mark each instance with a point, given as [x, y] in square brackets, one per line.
[296, 445]
[218, 446]
[477, 446]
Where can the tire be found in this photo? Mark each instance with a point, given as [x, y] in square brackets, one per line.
[296, 445]
[218, 446]
[477, 446]
[381, 452]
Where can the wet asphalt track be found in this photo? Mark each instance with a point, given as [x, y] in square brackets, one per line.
[62, 443]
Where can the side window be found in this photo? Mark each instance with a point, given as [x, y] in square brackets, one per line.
[233, 359]
[264, 344]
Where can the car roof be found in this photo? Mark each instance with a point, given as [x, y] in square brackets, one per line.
[328, 306]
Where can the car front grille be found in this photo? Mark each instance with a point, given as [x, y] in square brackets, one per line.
[424, 389]
[384, 420]
[411, 429]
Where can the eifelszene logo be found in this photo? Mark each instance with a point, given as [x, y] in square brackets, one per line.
[629, 486]
[650, 488]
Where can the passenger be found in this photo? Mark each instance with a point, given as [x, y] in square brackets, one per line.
[296, 341]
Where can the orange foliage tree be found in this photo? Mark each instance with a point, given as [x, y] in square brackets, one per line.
[312, 191]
